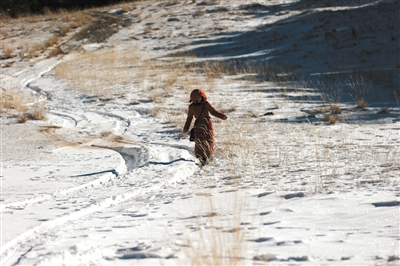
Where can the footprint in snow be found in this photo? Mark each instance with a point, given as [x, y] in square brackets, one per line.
[271, 223]
[294, 195]
[387, 204]
[262, 239]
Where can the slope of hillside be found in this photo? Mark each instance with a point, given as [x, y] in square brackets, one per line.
[306, 167]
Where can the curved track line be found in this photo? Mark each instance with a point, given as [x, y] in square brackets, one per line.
[69, 117]
[8, 250]
[120, 170]
[127, 121]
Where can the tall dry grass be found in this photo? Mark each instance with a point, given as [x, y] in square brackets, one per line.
[22, 106]
[109, 71]
[19, 33]
[358, 89]
[100, 73]
[13, 100]
[76, 18]
[38, 111]
[284, 157]
[218, 236]
[8, 51]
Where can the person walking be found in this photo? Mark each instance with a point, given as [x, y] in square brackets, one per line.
[203, 128]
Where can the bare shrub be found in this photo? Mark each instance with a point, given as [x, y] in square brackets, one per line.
[56, 51]
[8, 51]
[51, 41]
[13, 100]
[361, 104]
[38, 111]
[64, 31]
[155, 111]
[358, 90]
[27, 51]
[331, 119]
[16, 103]
[32, 50]
[157, 97]
[22, 118]
[335, 110]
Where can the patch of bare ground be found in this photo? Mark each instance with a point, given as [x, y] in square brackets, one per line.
[50, 132]
[102, 26]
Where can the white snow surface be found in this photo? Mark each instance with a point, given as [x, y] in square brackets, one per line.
[283, 189]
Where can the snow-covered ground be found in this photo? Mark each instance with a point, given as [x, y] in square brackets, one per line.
[108, 178]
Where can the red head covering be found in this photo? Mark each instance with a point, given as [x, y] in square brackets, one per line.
[196, 93]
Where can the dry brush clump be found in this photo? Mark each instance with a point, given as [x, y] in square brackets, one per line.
[358, 90]
[8, 51]
[22, 106]
[38, 111]
[331, 119]
[13, 100]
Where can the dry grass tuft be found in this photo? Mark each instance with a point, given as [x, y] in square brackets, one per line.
[53, 40]
[335, 110]
[13, 100]
[155, 111]
[362, 104]
[331, 119]
[17, 104]
[56, 51]
[8, 51]
[358, 89]
[64, 31]
[38, 111]
[29, 51]
[32, 50]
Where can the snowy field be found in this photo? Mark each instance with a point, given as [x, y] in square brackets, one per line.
[307, 165]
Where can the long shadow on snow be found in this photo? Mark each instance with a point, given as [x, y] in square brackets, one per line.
[275, 37]
[167, 163]
[112, 171]
[320, 45]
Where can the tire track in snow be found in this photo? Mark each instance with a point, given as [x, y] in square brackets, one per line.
[121, 118]
[106, 177]
[93, 184]
[85, 126]
[91, 119]
[14, 249]
[68, 119]
[40, 69]
[134, 157]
